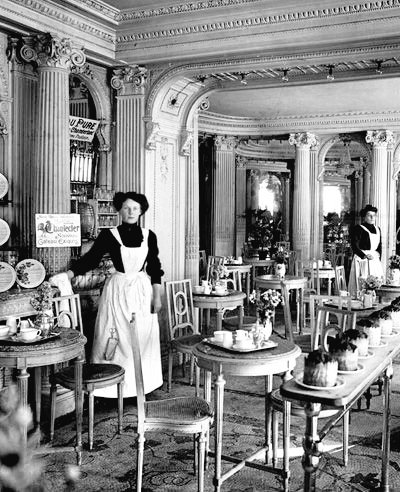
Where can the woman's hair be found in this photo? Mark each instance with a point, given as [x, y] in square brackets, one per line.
[120, 198]
[367, 208]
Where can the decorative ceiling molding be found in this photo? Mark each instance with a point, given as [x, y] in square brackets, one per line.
[351, 121]
[183, 8]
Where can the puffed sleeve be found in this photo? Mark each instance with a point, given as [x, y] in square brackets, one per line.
[153, 264]
[92, 258]
[355, 241]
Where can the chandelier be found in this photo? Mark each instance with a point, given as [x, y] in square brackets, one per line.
[345, 166]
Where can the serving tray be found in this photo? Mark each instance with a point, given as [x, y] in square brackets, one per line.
[233, 348]
[14, 340]
[214, 294]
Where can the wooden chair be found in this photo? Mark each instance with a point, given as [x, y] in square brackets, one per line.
[297, 409]
[185, 415]
[340, 278]
[94, 376]
[183, 334]
[202, 264]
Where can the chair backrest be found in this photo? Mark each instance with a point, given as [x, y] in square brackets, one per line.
[213, 262]
[309, 269]
[69, 306]
[137, 364]
[345, 318]
[180, 308]
[340, 278]
[292, 262]
[234, 281]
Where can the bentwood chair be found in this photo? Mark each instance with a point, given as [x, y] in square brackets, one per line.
[94, 376]
[340, 278]
[213, 263]
[183, 333]
[322, 328]
[184, 415]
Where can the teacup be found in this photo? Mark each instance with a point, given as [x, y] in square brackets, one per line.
[219, 289]
[24, 324]
[4, 330]
[241, 335]
[227, 339]
[218, 336]
[244, 343]
[198, 289]
[12, 323]
[29, 334]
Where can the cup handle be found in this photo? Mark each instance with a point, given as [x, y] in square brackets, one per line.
[38, 333]
[30, 323]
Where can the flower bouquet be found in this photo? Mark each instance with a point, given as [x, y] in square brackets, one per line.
[394, 270]
[281, 256]
[371, 283]
[218, 273]
[42, 301]
[265, 303]
[394, 262]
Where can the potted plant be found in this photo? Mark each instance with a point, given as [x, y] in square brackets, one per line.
[369, 285]
[394, 270]
[259, 230]
[281, 259]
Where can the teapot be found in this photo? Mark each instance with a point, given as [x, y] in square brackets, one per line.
[47, 323]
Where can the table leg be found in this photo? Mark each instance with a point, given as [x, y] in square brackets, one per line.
[219, 384]
[286, 443]
[288, 320]
[241, 315]
[220, 313]
[311, 445]
[78, 406]
[268, 419]
[22, 383]
[387, 383]
[38, 394]
[248, 289]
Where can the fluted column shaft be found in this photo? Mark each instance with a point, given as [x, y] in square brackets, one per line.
[286, 216]
[366, 187]
[240, 204]
[224, 197]
[301, 195]
[51, 170]
[315, 184]
[380, 176]
[130, 84]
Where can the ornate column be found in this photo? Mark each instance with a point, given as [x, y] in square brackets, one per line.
[316, 211]
[240, 204]
[366, 185]
[130, 84]
[301, 195]
[286, 216]
[379, 195]
[224, 196]
[51, 170]
[254, 189]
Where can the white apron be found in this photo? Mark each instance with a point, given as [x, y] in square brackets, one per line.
[124, 294]
[361, 268]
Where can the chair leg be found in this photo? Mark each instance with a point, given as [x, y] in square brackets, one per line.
[191, 370]
[170, 360]
[139, 463]
[286, 444]
[274, 439]
[201, 457]
[53, 393]
[38, 393]
[91, 418]
[183, 359]
[197, 380]
[346, 438]
[120, 406]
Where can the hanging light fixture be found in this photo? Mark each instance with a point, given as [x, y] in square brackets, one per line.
[285, 77]
[378, 68]
[330, 75]
[345, 166]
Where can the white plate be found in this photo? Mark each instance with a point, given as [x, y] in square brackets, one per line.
[393, 334]
[30, 273]
[3, 186]
[382, 344]
[7, 276]
[360, 368]
[4, 231]
[368, 356]
[299, 380]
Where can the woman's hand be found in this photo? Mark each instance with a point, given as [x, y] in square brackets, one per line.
[370, 257]
[156, 301]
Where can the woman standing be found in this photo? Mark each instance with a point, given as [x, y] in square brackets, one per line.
[134, 287]
[367, 248]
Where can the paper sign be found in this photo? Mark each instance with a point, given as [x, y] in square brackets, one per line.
[82, 128]
[57, 230]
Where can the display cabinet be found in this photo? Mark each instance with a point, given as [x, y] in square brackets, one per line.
[105, 214]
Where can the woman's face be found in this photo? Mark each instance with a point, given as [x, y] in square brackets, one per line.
[130, 211]
[370, 217]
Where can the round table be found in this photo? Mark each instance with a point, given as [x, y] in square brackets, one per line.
[233, 299]
[256, 263]
[219, 363]
[69, 345]
[291, 282]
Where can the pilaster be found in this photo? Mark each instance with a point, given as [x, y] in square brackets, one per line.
[224, 196]
[301, 195]
[315, 192]
[53, 58]
[240, 204]
[130, 84]
[381, 140]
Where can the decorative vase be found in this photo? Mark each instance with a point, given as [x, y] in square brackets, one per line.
[368, 298]
[394, 276]
[44, 321]
[280, 270]
[266, 329]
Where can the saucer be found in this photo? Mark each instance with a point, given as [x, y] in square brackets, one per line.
[360, 368]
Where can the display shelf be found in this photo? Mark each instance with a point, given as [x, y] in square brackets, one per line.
[104, 219]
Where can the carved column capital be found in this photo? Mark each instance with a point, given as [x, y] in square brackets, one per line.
[225, 143]
[152, 132]
[186, 140]
[3, 128]
[241, 162]
[303, 140]
[380, 138]
[204, 104]
[47, 50]
[129, 79]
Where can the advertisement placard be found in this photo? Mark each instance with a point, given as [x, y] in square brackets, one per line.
[57, 230]
[82, 128]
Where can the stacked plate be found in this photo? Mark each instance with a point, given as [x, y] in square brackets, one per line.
[28, 274]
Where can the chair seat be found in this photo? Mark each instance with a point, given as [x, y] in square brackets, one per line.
[186, 342]
[181, 409]
[91, 374]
